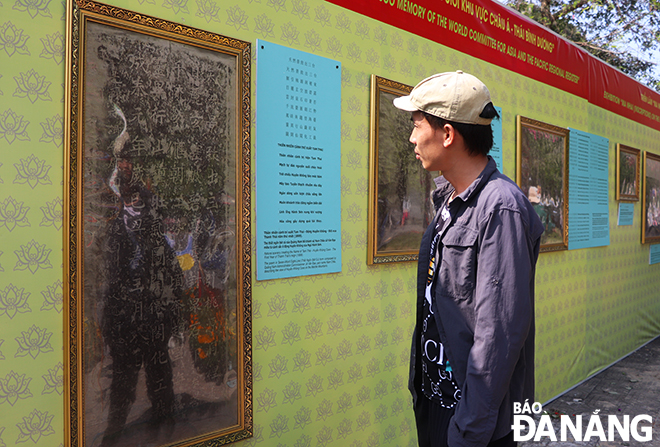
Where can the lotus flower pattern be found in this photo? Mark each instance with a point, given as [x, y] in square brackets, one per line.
[32, 171]
[53, 131]
[54, 380]
[53, 47]
[177, 5]
[264, 26]
[33, 7]
[53, 297]
[12, 40]
[237, 18]
[13, 214]
[32, 86]
[34, 426]
[33, 256]
[300, 9]
[278, 5]
[208, 10]
[14, 387]
[34, 341]
[289, 33]
[13, 127]
[52, 214]
[13, 300]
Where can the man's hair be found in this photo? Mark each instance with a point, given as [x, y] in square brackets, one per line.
[478, 137]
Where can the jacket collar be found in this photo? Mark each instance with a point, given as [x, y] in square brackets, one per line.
[444, 189]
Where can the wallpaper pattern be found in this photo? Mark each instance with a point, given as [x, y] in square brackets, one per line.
[330, 351]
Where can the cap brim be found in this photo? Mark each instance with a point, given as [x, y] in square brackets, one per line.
[404, 103]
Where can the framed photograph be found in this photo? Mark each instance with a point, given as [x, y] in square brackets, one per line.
[400, 205]
[157, 161]
[628, 162]
[542, 173]
[651, 198]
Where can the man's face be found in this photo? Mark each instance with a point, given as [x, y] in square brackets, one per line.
[428, 143]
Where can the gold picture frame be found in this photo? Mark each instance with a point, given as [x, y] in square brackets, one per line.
[628, 164]
[400, 205]
[542, 174]
[651, 199]
[157, 252]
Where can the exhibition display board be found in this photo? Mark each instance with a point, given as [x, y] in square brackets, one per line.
[298, 111]
[329, 352]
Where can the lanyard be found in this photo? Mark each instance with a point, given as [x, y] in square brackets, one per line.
[433, 255]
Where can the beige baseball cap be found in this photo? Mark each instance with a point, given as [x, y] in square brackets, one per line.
[454, 96]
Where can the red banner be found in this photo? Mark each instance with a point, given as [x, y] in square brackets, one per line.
[612, 90]
[499, 35]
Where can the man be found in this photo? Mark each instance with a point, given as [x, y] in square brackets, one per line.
[473, 347]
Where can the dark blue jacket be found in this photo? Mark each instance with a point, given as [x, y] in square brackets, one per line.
[483, 302]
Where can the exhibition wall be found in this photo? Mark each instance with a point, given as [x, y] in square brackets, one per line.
[330, 352]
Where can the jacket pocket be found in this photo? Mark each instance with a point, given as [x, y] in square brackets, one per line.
[457, 275]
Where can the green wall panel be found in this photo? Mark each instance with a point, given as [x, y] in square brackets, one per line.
[330, 351]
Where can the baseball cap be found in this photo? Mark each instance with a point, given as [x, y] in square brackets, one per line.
[454, 96]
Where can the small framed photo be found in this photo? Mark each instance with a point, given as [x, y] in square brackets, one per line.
[157, 252]
[542, 173]
[400, 204]
[628, 163]
[651, 199]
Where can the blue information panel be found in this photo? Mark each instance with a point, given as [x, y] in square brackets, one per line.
[496, 151]
[654, 254]
[588, 192]
[626, 212]
[298, 163]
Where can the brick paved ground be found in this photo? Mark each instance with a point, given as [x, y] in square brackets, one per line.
[629, 387]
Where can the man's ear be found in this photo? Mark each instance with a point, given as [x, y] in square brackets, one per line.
[448, 135]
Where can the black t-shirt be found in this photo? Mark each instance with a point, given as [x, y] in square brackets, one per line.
[438, 383]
